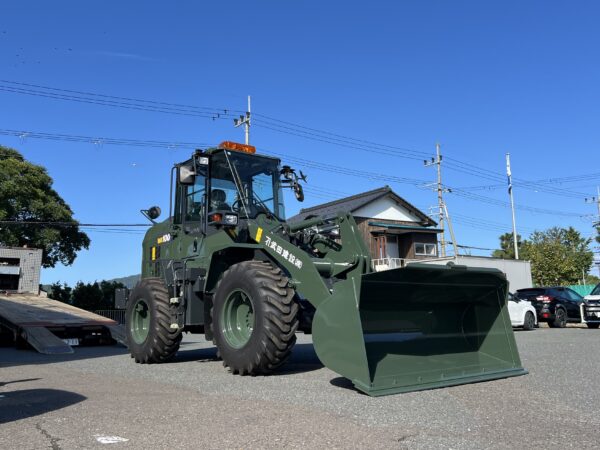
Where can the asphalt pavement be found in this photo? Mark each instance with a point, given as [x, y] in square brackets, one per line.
[98, 397]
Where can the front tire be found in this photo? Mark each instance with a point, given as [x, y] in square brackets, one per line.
[148, 323]
[529, 321]
[254, 318]
[593, 325]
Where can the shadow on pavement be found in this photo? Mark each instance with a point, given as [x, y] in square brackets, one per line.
[25, 380]
[303, 359]
[17, 405]
[345, 383]
[11, 357]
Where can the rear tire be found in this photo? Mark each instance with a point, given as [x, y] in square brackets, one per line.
[560, 318]
[148, 323]
[254, 318]
[529, 321]
[593, 325]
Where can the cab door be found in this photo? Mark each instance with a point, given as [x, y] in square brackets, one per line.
[193, 216]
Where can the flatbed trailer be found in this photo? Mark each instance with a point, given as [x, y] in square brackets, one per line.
[51, 326]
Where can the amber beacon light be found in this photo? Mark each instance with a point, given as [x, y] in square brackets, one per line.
[229, 145]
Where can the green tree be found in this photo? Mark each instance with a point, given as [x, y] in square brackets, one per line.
[60, 292]
[88, 296]
[108, 292]
[507, 246]
[558, 256]
[26, 194]
[591, 279]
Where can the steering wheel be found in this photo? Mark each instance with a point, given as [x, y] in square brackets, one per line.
[237, 205]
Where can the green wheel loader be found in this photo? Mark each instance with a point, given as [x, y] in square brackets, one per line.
[225, 263]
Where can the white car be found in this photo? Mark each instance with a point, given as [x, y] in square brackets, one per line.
[590, 308]
[522, 313]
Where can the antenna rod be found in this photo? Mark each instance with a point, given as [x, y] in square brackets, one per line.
[512, 205]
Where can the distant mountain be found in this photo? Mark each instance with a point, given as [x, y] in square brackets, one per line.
[129, 281]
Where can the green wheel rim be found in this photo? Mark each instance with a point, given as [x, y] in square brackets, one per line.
[237, 318]
[140, 321]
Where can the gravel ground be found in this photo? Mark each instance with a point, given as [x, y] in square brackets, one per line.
[71, 402]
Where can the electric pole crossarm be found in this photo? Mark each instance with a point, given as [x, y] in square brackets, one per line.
[245, 120]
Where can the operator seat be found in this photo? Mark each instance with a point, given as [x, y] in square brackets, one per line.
[217, 200]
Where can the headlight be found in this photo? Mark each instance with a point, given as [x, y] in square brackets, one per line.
[230, 219]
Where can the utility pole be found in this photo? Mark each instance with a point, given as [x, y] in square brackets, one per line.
[441, 205]
[244, 120]
[512, 205]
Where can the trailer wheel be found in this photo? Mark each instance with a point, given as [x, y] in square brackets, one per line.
[148, 321]
[560, 318]
[254, 318]
[593, 325]
[529, 322]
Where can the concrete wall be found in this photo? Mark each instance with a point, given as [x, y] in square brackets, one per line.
[30, 263]
[518, 273]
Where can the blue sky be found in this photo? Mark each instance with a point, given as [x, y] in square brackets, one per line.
[482, 78]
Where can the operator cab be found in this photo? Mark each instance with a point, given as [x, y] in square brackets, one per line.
[228, 184]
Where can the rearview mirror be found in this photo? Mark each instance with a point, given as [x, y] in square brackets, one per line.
[187, 175]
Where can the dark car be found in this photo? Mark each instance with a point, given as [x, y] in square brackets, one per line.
[555, 305]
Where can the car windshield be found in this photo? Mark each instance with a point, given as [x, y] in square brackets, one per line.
[596, 290]
[257, 178]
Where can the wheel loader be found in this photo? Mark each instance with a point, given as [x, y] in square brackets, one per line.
[227, 264]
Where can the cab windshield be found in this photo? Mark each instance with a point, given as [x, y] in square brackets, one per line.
[257, 177]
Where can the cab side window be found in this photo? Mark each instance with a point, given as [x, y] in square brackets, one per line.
[195, 200]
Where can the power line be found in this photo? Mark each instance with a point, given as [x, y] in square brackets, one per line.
[451, 163]
[377, 176]
[71, 224]
[103, 140]
[476, 248]
[128, 99]
[266, 122]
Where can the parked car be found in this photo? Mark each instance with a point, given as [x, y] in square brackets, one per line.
[591, 308]
[522, 313]
[555, 305]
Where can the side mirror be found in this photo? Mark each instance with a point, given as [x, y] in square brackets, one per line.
[151, 213]
[154, 212]
[186, 175]
[292, 180]
[299, 192]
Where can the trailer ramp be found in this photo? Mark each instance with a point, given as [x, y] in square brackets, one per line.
[51, 327]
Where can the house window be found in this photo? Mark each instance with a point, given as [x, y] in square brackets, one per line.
[422, 249]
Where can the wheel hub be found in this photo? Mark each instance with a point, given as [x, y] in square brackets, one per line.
[237, 318]
[140, 321]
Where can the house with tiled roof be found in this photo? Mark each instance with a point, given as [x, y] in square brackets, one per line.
[394, 230]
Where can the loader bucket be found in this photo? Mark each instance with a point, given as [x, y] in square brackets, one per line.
[418, 327]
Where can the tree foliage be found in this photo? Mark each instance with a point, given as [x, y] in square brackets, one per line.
[559, 256]
[507, 246]
[60, 292]
[88, 296]
[26, 194]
